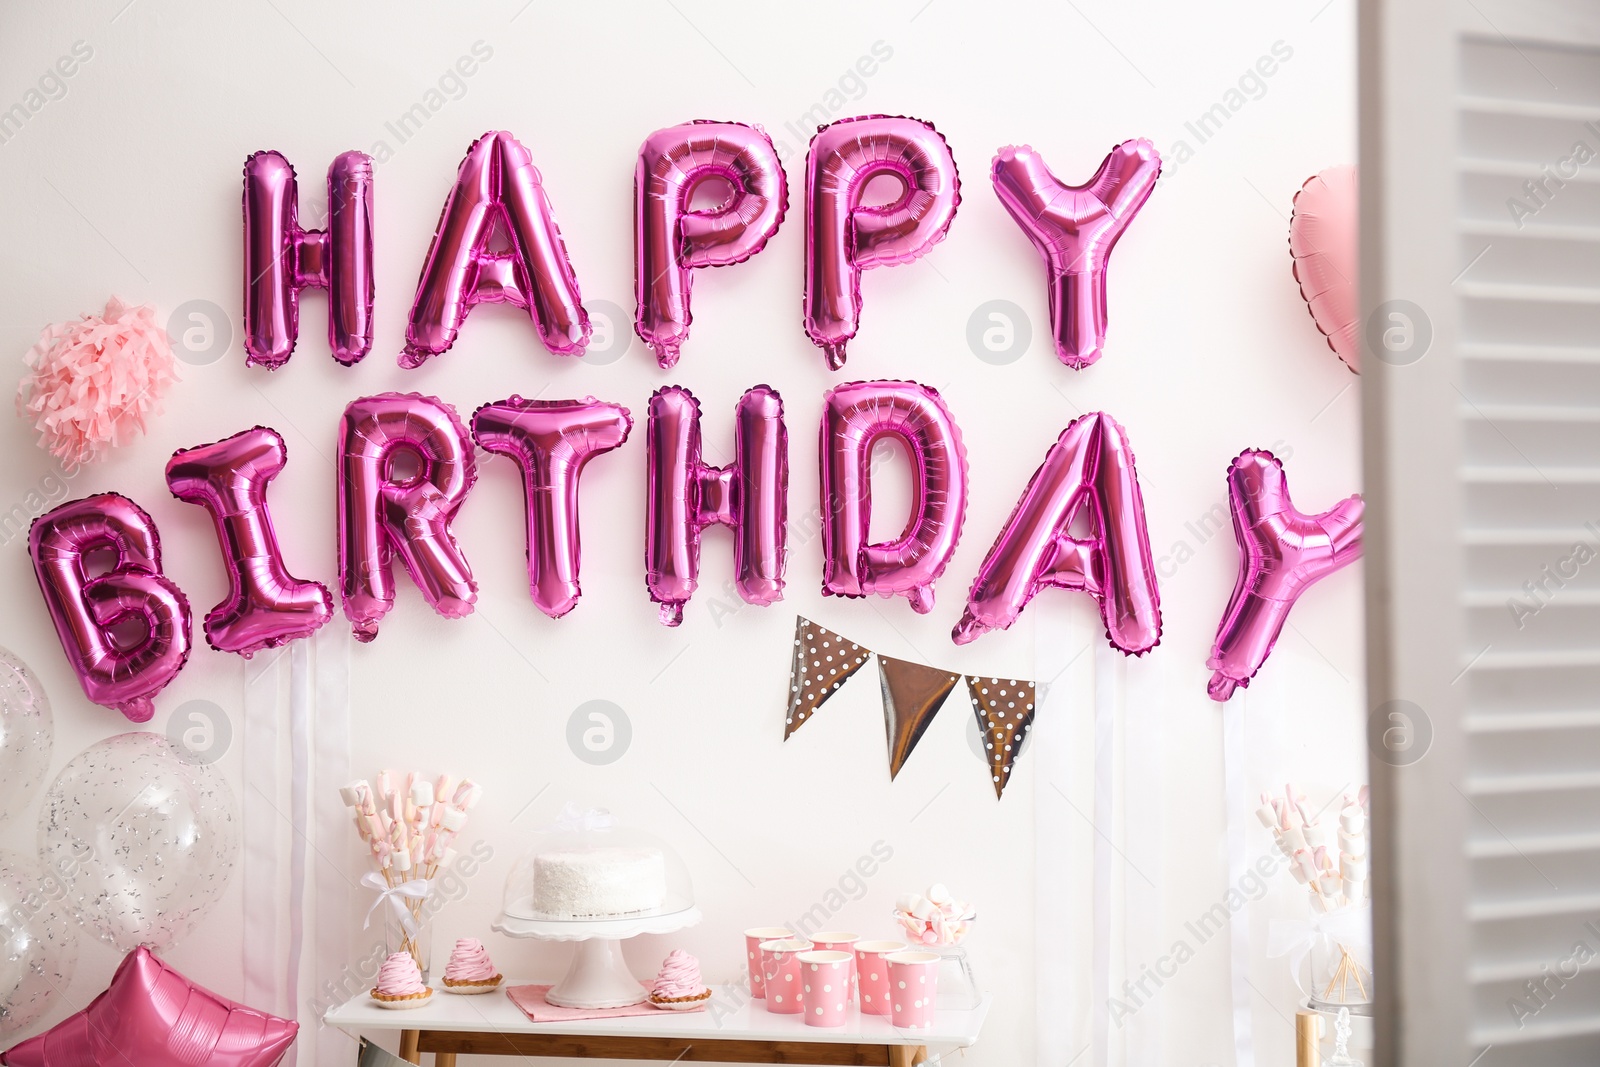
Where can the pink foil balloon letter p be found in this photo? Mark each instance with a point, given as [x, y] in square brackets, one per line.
[845, 237]
[1282, 551]
[281, 258]
[125, 675]
[670, 240]
[1075, 227]
[383, 513]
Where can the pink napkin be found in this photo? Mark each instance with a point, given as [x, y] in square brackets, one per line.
[530, 998]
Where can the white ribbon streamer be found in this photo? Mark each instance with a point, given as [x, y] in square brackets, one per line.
[1107, 667]
[396, 895]
[300, 817]
[330, 765]
[262, 825]
[1240, 815]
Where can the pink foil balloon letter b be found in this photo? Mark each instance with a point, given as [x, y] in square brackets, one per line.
[265, 606]
[854, 418]
[497, 186]
[1282, 551]
[670, 240]
[1075, 227]
[125, 675]
[551, 442]
[1089, 467]
[382, 513]
[281, 258]
[845, 237]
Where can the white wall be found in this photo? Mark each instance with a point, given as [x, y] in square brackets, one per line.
[130, 185]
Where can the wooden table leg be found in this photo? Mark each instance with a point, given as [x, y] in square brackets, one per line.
[444, 1059]
[408, 1046]
[907, 1055]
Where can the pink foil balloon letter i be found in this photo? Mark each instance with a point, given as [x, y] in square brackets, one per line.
[1075, 227]
[670, 240]
[265, 606]
[551, 442]
[845, 237]
[1282, 551]
[125, 675]
[281, 258]
[497, 187]
[383, 512]
[686, 495]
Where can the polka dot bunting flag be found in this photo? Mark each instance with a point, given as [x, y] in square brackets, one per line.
[822, 662]
[1004, 707]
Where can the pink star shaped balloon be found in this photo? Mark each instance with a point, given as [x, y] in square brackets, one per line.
[1282, 551]
[152, 1016]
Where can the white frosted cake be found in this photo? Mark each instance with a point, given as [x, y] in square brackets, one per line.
[598, 883]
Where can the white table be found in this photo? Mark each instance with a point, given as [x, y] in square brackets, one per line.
[734, 1029]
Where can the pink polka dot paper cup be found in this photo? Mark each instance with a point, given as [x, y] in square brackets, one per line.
[780, 974]
[825, 986]
[752, 954]
[872, 970]
[839, 941]
[913, 984]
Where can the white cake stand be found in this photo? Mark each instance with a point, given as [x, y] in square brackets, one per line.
[599, 975]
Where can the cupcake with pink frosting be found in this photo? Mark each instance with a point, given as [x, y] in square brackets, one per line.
[470, 970]
[679, 986]
[400, 984]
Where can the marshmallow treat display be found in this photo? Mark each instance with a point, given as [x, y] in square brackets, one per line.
[935, 917]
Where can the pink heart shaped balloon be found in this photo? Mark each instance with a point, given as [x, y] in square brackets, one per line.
[1322, 242]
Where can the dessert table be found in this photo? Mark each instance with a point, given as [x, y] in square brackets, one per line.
[734, 1029]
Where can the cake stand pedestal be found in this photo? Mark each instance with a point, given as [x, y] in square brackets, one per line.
[599, 975]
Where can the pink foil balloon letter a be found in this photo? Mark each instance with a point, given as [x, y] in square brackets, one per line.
[382, 512]
[750, 495]
[1075, 227]
[497, 185]
[551, 442]
[265, 606]
[670, 240]
[281, 258]
[845, 237]
[1090, 466]
[125, 675]
[854, 418]
[1282, 551]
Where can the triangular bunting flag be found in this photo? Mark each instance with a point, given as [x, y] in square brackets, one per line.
[912, 696]
[1004, 707]
[822, 662]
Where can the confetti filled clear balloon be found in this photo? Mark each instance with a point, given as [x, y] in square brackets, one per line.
[142, 837]
[38, 946]
[26, 733]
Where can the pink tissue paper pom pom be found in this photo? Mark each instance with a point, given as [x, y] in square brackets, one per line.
[92, 383]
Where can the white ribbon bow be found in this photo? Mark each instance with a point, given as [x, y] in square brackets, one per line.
[1347, 927]
[573, 819]
[396, 895]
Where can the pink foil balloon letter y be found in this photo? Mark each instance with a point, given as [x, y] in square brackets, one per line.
[1282, 551]
[1075, 227]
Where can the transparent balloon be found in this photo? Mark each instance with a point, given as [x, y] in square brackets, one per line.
[26, 731]
[38, 945]
[142, 838]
